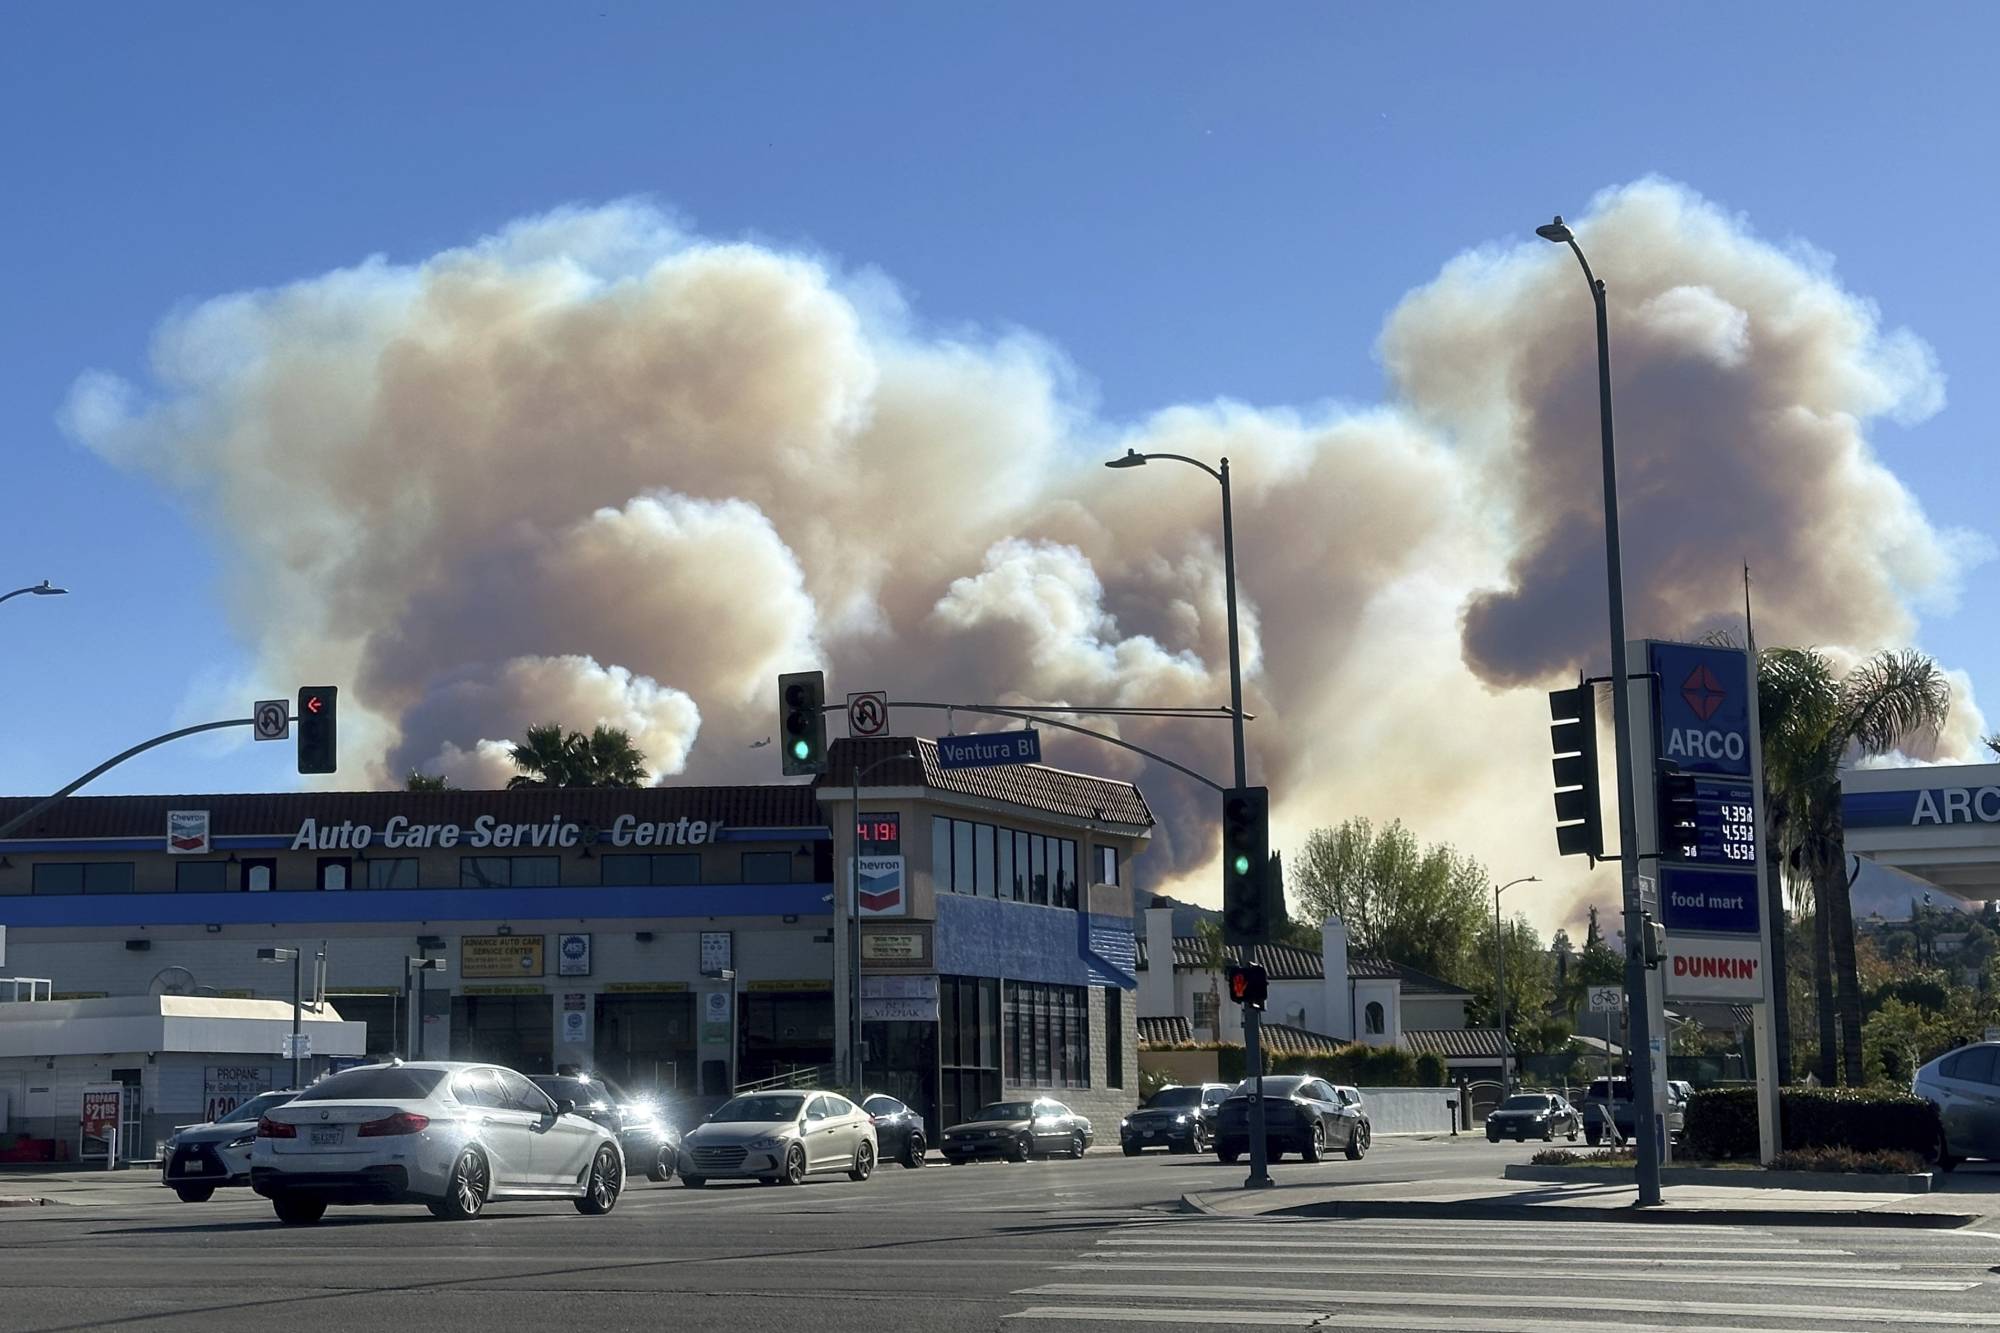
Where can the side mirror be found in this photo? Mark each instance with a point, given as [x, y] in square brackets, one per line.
[565, 1107]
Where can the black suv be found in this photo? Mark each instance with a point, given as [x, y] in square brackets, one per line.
[1178, 1118]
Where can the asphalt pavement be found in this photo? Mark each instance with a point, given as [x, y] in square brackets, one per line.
[1097, 1243]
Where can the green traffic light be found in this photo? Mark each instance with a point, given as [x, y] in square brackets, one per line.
[1242, 864]
[800, 749]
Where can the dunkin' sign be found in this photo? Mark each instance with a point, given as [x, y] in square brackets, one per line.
[1702, 968]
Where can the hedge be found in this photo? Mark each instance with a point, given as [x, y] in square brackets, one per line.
[1722, 1122]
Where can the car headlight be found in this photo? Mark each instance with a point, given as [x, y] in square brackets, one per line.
[768, 1141]
[1181, 1119]
[243, 1140]
[1125, 1123]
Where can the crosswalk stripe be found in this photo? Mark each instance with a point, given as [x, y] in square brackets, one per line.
[1480, 1246]
[1307, 1319]
[1129, 1293]
[1593, 1260]
[1182, 1263]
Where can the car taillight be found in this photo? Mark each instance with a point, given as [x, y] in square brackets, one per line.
[403, 1122]
[268, 1128]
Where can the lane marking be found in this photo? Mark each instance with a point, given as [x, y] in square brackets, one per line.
[1677, 1261]
[1484, 1247]
[1182, 1265]
[1307, 1319]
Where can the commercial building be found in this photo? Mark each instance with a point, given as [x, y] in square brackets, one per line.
[683, 938]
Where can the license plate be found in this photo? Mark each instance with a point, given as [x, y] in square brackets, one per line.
[1145, 1133]
[194, 1168]
[322, 1135]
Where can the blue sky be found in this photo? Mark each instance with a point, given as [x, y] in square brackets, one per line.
[1191, 202]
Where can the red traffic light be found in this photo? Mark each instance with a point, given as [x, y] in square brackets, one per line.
[1249, 984]
[314, 704]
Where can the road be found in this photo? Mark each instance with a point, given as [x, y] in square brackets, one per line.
[1044, 1245]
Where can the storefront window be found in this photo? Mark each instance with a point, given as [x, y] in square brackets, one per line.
[767, 867]
[1048, 1035]
[201, 877]
[84, 877]
[968, 1045]
[666, 868]
[502, 872]
[392, 872]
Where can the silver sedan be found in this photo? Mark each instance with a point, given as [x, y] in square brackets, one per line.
[780, 1138]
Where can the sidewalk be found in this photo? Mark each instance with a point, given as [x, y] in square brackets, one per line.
[26, 1189]
[1489, 1199]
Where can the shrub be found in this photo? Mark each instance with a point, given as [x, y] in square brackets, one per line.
[1722, 1122]
[1571, 1157]
[1847, 1159]
[1431, 1070]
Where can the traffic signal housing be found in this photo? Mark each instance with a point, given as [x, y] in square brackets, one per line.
[802, 722]
[1246, 865]
[1249, 985]
[1674, 806]
[1573, 738]
[318, 723]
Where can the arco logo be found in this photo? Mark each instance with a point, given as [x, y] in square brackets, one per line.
[1703, 692]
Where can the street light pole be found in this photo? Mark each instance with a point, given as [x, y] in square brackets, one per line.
[1253, 1026]
[1647, 1142]
[294, 957]
[854, 923]
[1500, 972]
[42, 589]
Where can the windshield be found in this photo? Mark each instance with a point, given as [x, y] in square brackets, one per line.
[760, 1109]
[1175, 1097]
[394, 1082]
[1525, 1104]
[585, 1092]
[1007, 1111]
[255, 1107]
[883, 1106]
[1283, 1085]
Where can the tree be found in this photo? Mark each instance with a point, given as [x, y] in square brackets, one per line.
[425, 782]
[1530, 984]
[1422, 906]
[1814, 721]
[1993, 743]
[549, 757]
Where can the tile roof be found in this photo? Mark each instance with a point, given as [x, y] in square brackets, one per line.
[1455, 1043]
[1288, 962]
[1165, 1031]
[772, 805]
[1034, 786]
[1413, 981]
[1284, 1039]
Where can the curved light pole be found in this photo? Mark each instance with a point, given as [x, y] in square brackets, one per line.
[1621, 727]
[853, 926]
[1500, 971]
[1260, 1170]
[42, 589]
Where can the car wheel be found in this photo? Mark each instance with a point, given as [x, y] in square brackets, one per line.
[1548, 1134]
[913, 1152]
[693, 1182]
[795, 1166]
[294, 1211]
[1228, 1156]
[1315, 1144]
[1492, 1136]
[662, 1169]
[1023, 1149]
[607, 1178]
[465, 1194]
[864, 1162]
[1590, 1136]
[1132, 1150]
[1572, 1133]
[1357, 1144]
[1076, 1148]
[1945, 1160]
[1199, 1140]
[955, 1161]
[195, 1193]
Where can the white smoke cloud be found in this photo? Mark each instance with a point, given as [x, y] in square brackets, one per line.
[596, 469]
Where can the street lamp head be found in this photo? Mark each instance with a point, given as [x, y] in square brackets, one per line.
[1557, 231]
[1132, 458]
[47, 589]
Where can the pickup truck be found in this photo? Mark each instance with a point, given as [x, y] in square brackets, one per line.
[1615, 1096]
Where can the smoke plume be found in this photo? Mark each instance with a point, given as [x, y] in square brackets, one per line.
[595, 469]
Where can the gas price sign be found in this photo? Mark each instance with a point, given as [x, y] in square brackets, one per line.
[879, 834]
[1722, 827]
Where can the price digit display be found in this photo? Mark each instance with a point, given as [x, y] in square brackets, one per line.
[879, 834]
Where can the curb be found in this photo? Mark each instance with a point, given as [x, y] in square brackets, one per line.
[1475, 1211]
[1831, 1182]
[18, 1202]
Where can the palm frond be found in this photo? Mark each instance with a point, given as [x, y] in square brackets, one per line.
[1894, 697]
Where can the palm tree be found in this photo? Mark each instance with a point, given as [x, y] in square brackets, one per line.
[1813, 722]
[607, 758]
[544, 757]
[417, 781]
[549, 757]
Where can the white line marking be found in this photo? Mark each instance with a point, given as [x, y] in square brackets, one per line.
[1392, 1256]
[1482, 1302]
[1305, 1319]
[1182, 1265]
[1482, 1247]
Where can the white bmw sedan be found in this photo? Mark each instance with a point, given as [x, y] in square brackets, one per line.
[450, 1136]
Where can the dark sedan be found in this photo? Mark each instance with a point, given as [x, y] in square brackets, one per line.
[1018, 1131]
[1178, 1118]
[899, 1131]
[649, 1143]
[1533, 1115]
[1301, 1114]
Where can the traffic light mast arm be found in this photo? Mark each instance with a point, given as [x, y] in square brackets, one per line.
[113, 762]
[1029, 716]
